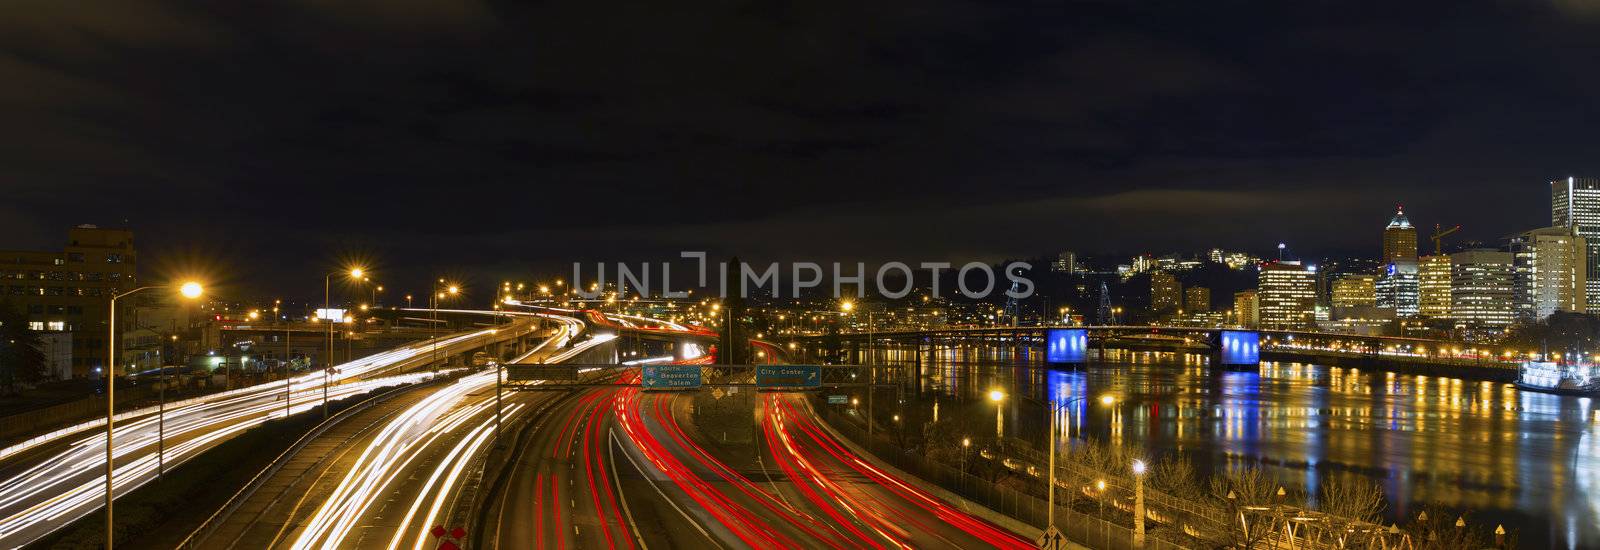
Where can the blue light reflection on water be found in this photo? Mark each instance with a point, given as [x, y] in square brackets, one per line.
[1529, 460]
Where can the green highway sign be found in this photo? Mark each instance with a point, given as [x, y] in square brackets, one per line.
[789, 376]
[663, 377]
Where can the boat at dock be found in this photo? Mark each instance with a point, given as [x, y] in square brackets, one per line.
[1579, 379]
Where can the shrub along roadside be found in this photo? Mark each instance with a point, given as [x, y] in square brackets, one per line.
[161, 513]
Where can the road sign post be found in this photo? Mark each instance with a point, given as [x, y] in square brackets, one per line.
[1052, 539]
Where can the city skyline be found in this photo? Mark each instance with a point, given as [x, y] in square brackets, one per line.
[1110, 275]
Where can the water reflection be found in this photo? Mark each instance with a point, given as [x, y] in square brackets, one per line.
[1528, 460]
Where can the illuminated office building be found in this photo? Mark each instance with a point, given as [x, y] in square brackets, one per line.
[1433, 286]
[1246, 309]
[1397, 288]
[1354, 290]
[1483, 289]
[1575, 203]
[1287, 294]
[1399, 239]
[1552, 268]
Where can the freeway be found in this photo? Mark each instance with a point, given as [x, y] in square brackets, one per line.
[615, 467]
[52, 480]
[803, 490]
[412, 476]
[575, 483]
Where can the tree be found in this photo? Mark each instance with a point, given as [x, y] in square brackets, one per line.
[1350, 500]
[1245, 492]
[21, 359]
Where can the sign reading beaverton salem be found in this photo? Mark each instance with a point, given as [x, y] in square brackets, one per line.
[664, 377]
[1241, 347]
[1066, 345]
[788, 376]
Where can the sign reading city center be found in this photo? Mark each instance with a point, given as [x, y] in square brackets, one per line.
[789, 376]
[663, 377]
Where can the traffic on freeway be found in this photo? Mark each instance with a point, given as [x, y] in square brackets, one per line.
[52, 480]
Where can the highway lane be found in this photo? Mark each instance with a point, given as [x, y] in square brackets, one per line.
[55, 479]
[306, 478]
[881, 509]
[577, 483]
[803, 490]
[722, 491]
[411, 477]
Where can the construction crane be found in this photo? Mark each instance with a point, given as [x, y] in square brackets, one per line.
[1439, 235]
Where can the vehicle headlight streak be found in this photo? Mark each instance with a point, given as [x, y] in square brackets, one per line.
[56, 490]
[409, 436]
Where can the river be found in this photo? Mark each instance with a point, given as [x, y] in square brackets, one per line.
[1528, 460]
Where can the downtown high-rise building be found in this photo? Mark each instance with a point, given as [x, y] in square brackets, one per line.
[1483, 289]
[1065, 262]
[1166, 294]
[1399, 238]
[1552, 268]
[1196, 299]
[1354, 290]
[1287, 294]
[1246, 308]
[1575, 203]
[1433, 286]
[1398, 288]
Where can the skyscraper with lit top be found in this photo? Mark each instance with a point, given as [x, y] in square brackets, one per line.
[1399, 238]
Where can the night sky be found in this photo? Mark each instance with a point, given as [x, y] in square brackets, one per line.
[269, 140]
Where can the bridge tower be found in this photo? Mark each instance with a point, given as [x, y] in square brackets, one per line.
[1013, 309]
[1104, 316]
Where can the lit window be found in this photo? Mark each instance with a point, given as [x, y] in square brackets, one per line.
[58, 325]
[35, 325]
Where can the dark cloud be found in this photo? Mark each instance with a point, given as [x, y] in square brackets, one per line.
[439, 134]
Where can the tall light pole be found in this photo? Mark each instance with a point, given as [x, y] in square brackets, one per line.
[439, 292]
[1138, 503]
[327, 366]
[188, 290]
[1050, 440]
[161, 417]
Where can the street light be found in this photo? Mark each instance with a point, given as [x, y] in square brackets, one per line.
[1138, 503]
[354, 273]
[440, 291]
[845, 308]
[1050, 440]
[189, 290]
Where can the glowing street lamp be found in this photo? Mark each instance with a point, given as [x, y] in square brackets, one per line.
[1138, 503]
[355, 273]
[189, 290]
